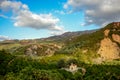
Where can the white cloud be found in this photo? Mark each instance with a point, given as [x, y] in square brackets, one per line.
[9, 5]
[96, 12]
[65, 6]
[42, 21]
[82, 24]
[23, 17]
[60, 12]
[24, 6]
[3, 16]
[4, 38]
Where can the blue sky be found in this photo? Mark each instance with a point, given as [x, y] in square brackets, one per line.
[30, 19]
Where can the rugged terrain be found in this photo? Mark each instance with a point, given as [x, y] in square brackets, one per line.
[110, 45]
[104, 42]
[95, 53]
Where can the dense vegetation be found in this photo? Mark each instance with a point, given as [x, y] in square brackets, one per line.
[49, 68]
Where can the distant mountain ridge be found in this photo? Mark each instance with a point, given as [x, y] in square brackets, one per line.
[64, 36]
[68, 35]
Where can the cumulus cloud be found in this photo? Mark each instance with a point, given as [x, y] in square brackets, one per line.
[42, 21]
[9, 5]
[98, 12]
[23, 17]
[4, 38]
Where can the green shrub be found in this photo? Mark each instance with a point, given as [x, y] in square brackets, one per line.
[61, 63]
[74, 61]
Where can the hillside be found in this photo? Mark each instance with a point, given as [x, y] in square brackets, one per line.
[96, 43]
[91, 55]
[69, 35]
[93, 41]
[50, 44]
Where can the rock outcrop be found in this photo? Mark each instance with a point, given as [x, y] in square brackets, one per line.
[116, 37]
[41, 50]
[116, 24]
[106, 32]
[109, 46]
[109, 50]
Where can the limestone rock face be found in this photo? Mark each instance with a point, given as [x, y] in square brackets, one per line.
[116, 37]
[110, 44]
[109, 50]
[106, 32]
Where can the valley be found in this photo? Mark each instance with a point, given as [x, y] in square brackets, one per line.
[95, 52]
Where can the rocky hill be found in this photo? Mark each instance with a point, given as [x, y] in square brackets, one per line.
[110, 44]
[36, 49]
[104, 43]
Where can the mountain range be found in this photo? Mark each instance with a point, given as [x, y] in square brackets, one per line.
[94, 41]
[82, 55]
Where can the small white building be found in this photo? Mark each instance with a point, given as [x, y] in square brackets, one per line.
[73, 67]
